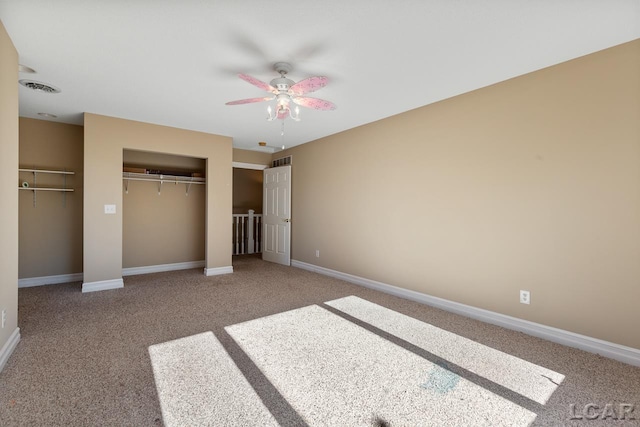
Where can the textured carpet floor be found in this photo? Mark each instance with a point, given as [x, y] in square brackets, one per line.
[336, 373]
[84, 358]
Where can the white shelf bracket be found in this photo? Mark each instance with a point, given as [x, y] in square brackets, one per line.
[35, 185]
[186, 193]
[64, 187]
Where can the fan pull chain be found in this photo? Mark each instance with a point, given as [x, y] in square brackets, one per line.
[282, 133]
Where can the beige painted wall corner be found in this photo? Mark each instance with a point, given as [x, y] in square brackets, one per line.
[8, 194]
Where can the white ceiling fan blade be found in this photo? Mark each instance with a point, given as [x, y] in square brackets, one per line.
[315, 103]
[250, 100]
[308, 85]
[258, 83]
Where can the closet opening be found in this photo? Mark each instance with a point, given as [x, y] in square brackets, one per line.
[163, 212]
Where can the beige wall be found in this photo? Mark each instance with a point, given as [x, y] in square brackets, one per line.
[162, 228]
[8, 184]
[248, 156]
[533, 183]
[50, 233]
[247, 190]
[105, 139]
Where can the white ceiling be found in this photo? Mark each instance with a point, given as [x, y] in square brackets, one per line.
[175, 63]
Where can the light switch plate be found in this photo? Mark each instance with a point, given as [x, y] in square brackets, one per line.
[110, 209]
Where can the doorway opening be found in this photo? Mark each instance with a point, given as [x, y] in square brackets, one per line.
[247, 211]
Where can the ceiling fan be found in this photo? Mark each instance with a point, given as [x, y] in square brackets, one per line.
[286, 91]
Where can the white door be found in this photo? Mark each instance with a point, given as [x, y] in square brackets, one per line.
[276, 215]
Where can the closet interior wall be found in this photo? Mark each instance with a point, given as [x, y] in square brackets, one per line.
[50, 230]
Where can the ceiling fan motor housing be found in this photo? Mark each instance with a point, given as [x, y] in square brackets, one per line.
[282, 67]
[282, 83]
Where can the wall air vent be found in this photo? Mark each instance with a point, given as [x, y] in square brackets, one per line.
[281, 162]
[39, 86]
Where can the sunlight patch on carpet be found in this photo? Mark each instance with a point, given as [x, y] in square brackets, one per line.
[199, 384]
[333, 372]
[525, 378]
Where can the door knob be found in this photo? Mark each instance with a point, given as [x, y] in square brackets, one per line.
[287, 220]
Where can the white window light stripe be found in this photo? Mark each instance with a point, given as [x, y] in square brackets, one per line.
[525, 378]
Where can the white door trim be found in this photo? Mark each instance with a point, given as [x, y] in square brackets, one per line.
[253, 166]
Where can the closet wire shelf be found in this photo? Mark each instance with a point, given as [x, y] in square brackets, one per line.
[161, 179]
[35, 188]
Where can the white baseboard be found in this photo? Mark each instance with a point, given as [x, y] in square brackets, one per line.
[218, 270]
[593, 345]
[162, 267]
[102, 285]
[77, 277]
[8, 347]
[49, 280]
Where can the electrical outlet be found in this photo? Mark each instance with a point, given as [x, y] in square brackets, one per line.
[110, 209]
[4, 318]
[525, 297]
[317, 253]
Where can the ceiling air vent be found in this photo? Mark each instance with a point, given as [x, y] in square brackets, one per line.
[281, 162]
[39, 86]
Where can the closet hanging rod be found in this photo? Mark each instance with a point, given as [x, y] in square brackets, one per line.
[167, 180]
[164, 178]
[64, 190]
[46, 171]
